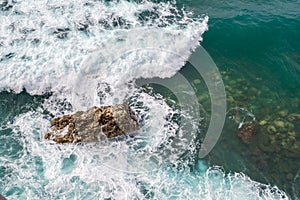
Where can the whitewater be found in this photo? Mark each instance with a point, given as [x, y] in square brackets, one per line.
[75, 55]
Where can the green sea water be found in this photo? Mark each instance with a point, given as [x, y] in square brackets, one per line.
[256, 46]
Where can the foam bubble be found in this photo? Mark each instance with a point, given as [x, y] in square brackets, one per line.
[111, 170]
[93, 49]
[44, 44]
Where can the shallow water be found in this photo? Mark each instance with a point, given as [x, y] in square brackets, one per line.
[256, 47]
[60, 57]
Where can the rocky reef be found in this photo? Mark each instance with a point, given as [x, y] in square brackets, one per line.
[95, 124]
[263, 125]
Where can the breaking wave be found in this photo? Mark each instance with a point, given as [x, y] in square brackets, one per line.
[89, 53]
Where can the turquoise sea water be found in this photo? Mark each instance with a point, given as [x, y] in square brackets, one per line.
[258, 42]
[48, 53]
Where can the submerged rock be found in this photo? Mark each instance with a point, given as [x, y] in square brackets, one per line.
[263, 122]
[283, 113]
[271, 129]
[294, 117]
[247, 131]
[289, 126]
[279, 124]
[95, 124]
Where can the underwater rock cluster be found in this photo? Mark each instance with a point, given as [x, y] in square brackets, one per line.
[267, 126]
[95, 124]
[282, 134]
[275, 127]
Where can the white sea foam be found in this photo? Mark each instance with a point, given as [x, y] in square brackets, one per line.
[112, 170]
[40, 61]
[76, 50]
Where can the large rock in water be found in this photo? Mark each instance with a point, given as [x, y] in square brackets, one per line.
[95, 124]
[2, 197]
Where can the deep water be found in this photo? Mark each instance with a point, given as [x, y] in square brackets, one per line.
[60, 57]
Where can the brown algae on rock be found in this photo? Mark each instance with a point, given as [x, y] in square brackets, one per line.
[247, 131]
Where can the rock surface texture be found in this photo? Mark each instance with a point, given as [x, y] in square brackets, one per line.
[95, 124]
[247, 131]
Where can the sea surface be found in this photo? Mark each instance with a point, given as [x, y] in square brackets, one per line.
[59, 57]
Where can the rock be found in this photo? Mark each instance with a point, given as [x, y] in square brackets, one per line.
[2, 197]
[247, 131]
[95, 124]
[263, 122]
[278, 136]
[271, 129]
[289, 126]
[292, 133]
[284, 144]
[291, 139]
[197, 81]
[283, 113]
[279, 124]
[294, 117]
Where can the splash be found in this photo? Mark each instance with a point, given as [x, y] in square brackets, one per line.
[89, 53]
[45, 170]
[43, 46]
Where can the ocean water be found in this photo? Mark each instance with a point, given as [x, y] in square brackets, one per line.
[58, 57]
